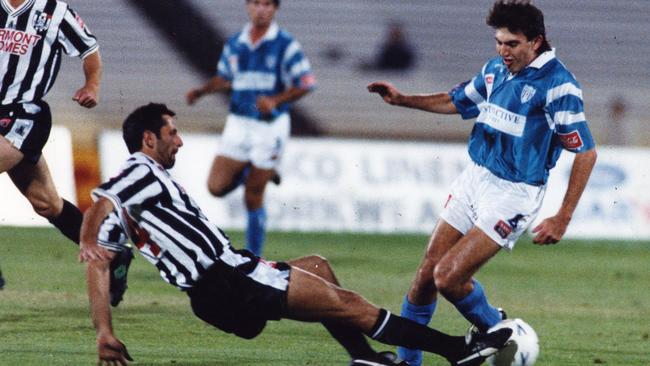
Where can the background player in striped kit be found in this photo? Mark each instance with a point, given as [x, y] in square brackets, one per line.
[233, 290]
[265, 69]
[528, 108]
[33, 34]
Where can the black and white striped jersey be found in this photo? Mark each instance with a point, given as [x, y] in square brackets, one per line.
[32, 38]
[163, 222]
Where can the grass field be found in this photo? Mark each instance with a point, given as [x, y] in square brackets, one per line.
[589, 302]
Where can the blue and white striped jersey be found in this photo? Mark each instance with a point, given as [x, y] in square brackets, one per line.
[269, 67]
[523, 121]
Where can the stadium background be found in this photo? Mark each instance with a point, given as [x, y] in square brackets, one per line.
[588, 300]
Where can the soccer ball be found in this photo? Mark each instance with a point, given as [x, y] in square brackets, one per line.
[522, 350]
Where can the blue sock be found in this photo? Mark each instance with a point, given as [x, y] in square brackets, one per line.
[256, 230]
[477, 310]
[421, 314]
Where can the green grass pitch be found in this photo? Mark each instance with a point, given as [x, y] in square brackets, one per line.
[589, 302]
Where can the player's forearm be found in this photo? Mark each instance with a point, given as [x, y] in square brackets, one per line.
[435, 103]
[583, 164]
[216, 84]
[92, 220]
[97, 275]
[92, 67]
[290, 95]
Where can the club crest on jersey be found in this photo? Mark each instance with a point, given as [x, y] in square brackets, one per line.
[527, 93]
[270, 61]
[41, 21]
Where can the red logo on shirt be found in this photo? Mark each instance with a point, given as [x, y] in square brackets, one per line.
[17, 42]
[571, 140]
[4, 122]
[489, 79]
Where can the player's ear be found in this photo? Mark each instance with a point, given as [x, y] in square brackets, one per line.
[148, 139]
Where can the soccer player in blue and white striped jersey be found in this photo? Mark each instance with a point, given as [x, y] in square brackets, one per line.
[231, 289]
[265, 69]
[528, 109]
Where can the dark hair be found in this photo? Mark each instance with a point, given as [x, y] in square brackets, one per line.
[519, 16]
[276, 2]
[145, 118]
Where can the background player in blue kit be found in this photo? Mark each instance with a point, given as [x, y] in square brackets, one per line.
[528, 108]
[265, 69]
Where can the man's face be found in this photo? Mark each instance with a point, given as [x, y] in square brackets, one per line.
[517, 51]
[261, 12]
[168, 144]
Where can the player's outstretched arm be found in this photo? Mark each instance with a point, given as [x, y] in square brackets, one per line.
[110, 350]
[88, 95]
[214, 85]
[435, 103]
[552, 229]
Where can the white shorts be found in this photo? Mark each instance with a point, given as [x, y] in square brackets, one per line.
[260, 142]
[501, 209]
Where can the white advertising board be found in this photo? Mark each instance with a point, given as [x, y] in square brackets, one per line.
[379, 186]
[15, 209]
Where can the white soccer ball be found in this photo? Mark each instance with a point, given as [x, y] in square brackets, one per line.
[522, 350]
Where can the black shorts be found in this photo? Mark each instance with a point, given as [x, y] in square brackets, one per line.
[27, 126]
[240, 300]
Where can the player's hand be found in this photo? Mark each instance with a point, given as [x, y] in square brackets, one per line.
[111, 351]
[266, 104]
[551, 230]
[192, 96]
[86, 96]
[93, 252]
[386, 90]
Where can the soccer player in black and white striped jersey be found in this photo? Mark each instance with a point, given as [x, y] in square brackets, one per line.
[233, 290]
[33, 35]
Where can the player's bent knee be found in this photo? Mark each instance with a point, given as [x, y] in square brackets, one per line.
[45, 208]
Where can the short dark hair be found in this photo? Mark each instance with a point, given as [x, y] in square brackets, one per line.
[519, 16]
[145, 118]
[276, 2]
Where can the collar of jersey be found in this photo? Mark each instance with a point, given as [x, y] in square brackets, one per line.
[270, 34]
[16, 12]
[543, 59]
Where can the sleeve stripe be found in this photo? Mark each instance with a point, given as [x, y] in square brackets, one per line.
[472, 93]
[561, 91]
[567, 117]
[292, 49]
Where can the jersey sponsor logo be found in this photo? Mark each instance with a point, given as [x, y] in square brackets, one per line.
[571, 140]
[503, 229]
[527, 94]
[502, 119]
[17, 42]
[41, 21]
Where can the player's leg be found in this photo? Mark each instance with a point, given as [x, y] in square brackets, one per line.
[226, 174]
[10, 156]
[311, 298]
[35, 183]
[420, 302]
[352, 340]
[453, 278]
[254, 200]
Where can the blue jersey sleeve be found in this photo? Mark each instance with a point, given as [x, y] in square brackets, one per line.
[224, 67]
[296, 67]
[468, 95]
[565, 108]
